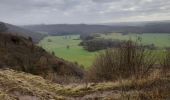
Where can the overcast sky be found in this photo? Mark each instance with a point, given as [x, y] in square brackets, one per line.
[22, 12]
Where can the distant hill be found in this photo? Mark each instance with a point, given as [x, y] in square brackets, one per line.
[129, 27]
[15, 30]
[61, 29]
[138, 23]
[157, 27]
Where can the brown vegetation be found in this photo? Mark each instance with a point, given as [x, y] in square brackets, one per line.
[21, 54]
[16, 85]
[130, 60]
[128, 72]
[166, 62]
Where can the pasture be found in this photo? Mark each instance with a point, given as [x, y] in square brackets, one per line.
[159, 40]
[74, 53]
[67, 47]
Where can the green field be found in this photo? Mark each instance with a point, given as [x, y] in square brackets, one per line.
[159, 40]
[76, 53]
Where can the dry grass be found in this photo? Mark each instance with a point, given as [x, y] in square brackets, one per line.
[16, 85]
[4, 96]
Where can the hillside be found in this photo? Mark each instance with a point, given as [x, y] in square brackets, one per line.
[22, 86]
[138, 27]
[16, 30]
[28, 72]
[21, 54]
[61, 29]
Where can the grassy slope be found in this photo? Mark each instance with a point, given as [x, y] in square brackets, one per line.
[22, 86]
[77, 53]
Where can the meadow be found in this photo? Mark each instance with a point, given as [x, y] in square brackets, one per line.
[74, 53]
[67, 47]
[159, 40]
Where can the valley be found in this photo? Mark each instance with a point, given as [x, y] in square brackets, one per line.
[101, 66]
[85, 50]
[76, 53]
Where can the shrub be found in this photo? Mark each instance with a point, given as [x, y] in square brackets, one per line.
[49, 40]
[53, 53]
[129, 60]
[166, 62]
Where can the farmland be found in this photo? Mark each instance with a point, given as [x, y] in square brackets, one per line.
[159, 40]
[74, 53]
[67, 47]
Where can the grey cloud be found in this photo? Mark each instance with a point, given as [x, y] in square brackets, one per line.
[78, 11]
[105, 1]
